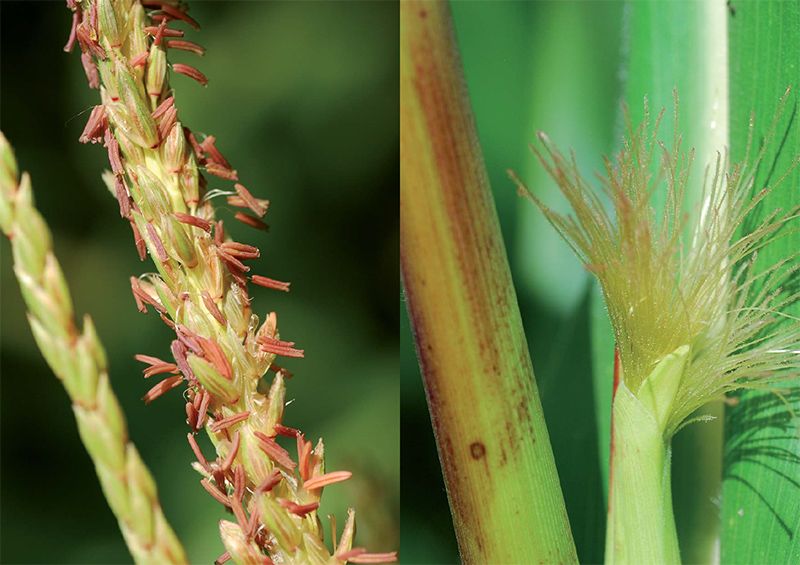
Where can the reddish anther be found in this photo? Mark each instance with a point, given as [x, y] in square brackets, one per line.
[167, 384]
[196, 398]
[286, 431]
[239, 483]
[142, 297]
[167, 322]
[113, 153]
[233, 263]
[241, 282]
[190, 339]
[275, 368]
[221, 171]
[202, 410]
[166, 123]
[76, 19]
[96, 125]
[90, 69]
[218, 474]
[298, 509]
[195, 221]
[157, 243]
[274, 451]
[213, 352]
[162, 25]
[121, 192]
[242, 250]
[276, 341]
[137, 295]
[212, 308]
[162, 108]
[190, 72]
[269, 483]
[326, 479]
[232, 451]
[141, 248]
[236, 200]
[197, 452]
[209, 146]
[389, 557]
[251, 221]
[253, 523]
[360, 555]
[229, 421]
[259, 207]
[304, 457]
[89, 45]
[179, 15]
[270, 283]
[347, 555]
[149, 359]
[238, 512]
[278, 347]
[215, 492]
[166, 32]
[179, 351]
[160, 368]
[191, 415]
[184, 45]
[140, 59]
[198, 150]
[222, 559]
[93, 16]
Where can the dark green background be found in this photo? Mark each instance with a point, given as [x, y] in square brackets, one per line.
[303, 99]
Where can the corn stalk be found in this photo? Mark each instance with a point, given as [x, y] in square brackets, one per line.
[493, 445]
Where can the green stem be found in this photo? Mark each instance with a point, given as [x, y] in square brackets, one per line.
[493, 444]
[694, 35]
[641, 524]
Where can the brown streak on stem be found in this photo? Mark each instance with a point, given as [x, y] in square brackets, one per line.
[464, 314]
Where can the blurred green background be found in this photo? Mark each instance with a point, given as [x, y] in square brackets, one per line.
[553, 66]
[303, 99]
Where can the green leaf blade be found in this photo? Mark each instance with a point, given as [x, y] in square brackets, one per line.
[760, 514]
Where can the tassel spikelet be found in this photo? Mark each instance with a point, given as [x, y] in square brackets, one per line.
[694, 318]
[222, 350]
[77, 358]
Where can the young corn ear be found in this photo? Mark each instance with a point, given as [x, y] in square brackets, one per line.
[78, 360]
[222, 351]
[693, 319]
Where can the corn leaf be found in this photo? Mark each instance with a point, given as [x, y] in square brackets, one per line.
[761, 487]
